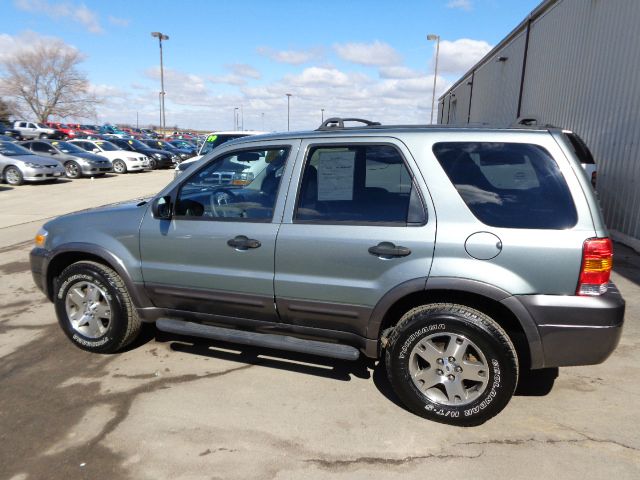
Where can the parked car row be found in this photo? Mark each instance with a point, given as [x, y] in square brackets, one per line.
[43, 159]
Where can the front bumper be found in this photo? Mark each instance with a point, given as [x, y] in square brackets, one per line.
[577, 330]
[39, 259]
[31, 174]
[95, 168]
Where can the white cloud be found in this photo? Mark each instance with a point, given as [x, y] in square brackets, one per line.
[374, 54]
[398, 72]
[118, 22]
[26, 41]
[244, 70]
[457, 57]
[78, 12]
[292, 57]
[465, 5]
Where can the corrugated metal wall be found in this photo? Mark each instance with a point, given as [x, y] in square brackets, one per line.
[582, 73]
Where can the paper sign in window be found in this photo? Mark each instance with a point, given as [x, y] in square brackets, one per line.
[335, 175]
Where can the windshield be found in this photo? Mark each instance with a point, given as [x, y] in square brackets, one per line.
[137, 144]
[181, 144]
[11, 149]
[214, 140]
[107, 146]
[41, 125]
[67, 147]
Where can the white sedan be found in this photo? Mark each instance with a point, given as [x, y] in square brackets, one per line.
[123, 161]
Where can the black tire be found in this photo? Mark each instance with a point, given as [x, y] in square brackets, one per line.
[153, 164]
[119, 166]
[72, 169]
[486, 344]
[42, 136]
[123, 325]
[13, 176]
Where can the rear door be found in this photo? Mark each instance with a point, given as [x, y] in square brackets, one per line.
[356, 226]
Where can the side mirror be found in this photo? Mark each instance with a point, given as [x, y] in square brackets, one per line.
[161, 208]
[96, 150]
[53, 152]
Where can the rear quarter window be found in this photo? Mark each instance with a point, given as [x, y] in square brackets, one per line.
[509, 185]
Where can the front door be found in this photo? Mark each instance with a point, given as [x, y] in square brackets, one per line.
[216, 254]
[357, 228]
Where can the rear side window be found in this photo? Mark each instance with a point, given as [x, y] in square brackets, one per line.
[510, 185]
[358, 184]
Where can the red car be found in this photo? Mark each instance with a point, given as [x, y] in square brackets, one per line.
[67, 130]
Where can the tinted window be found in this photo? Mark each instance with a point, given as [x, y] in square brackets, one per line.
[239, 186]
[580, 148]
[40, 147]
[509, 185]
[215, 140]
[357, 184]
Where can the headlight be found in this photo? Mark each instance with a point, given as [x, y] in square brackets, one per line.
[34, 165]
[41, 237]
[132, 159]
[158, 155]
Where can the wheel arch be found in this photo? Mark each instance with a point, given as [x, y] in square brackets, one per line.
[493, 301]
[62, 257]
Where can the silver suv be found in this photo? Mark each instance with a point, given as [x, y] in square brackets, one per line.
[459, 257]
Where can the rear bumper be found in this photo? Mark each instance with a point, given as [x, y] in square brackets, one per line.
[577, 330]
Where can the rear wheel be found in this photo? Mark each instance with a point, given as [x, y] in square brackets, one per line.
[452, 364]
[13, 176]
[94, 308]
[72, 169]
[119, 166]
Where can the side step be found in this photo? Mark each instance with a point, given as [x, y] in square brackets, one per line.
[268, 340]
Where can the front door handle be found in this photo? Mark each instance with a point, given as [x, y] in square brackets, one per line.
[242, 242]
[389, 250]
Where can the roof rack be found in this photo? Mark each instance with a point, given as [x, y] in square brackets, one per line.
[334, 123]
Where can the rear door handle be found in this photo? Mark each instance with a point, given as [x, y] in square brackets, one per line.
[242, 242]
[388, 250]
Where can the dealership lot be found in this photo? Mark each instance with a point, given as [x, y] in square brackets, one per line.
[174, 408]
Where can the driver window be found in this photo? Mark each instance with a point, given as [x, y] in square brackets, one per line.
[241, 186]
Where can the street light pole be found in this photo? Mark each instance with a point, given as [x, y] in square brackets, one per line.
[161, 36]
[288, 111]
[322, 113]
[432, 37]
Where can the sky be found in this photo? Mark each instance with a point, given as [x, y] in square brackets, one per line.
[353, 58]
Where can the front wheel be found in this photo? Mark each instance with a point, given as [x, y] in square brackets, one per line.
[153, 164]
[94, 308]
[452, 364]
[119, 166]
[13, 176]
[72, 170]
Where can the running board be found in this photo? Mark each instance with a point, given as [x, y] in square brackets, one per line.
[268, 340]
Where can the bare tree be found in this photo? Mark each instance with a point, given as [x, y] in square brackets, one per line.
[6, 110]
[44, 80]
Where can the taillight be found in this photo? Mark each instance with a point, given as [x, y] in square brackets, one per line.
[597, 261]
[594, 177]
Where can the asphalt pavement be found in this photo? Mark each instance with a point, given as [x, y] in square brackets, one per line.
[174, 408]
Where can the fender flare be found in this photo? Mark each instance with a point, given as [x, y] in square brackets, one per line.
[138, 296]
[424, 284]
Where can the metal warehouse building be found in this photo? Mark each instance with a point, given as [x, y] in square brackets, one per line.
[574, 64]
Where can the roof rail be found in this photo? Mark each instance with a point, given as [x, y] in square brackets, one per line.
[338, 123]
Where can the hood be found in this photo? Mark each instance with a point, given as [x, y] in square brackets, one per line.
[118, 210]
[152, 151]
[35, 159]
[89, 156]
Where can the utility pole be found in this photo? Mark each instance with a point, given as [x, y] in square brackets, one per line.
[163, 120]
[288, 111]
